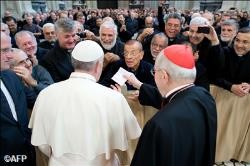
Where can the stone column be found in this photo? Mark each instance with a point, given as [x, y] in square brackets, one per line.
[195, 5]
[68, 5]
[227, 4]
[123, 4]
[17, 7]
[91, 4]
[52, 5]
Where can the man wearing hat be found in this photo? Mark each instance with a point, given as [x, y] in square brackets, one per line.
[80, 122]
[183, 132]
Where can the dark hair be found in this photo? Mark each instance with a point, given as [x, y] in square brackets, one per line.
[244, 30]
[175, 16]
[9, 18]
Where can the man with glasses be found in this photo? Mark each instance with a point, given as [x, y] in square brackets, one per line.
[49, 36]
[158, 43]
[183, 132]
[133, 63]
[14, 134]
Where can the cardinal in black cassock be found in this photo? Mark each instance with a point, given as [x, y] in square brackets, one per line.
[183, 132]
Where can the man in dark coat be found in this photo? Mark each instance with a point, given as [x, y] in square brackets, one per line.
[133, 63]
[235, 76]
[58, 60]
[183, 132]
[112, 47]
[16, 148]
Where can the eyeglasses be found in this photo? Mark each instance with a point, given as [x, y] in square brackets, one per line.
[173, 25]
[6, 50]
[153, 71]
[25, 61]
[155, 45]
[131, 53]
[48, 33]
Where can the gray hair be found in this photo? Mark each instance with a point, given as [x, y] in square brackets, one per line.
[133, 41]
[20, 34]
[85, 66]
[200, 21]
[160, 35]
[16, 52]
[175, 72]
[231, 22]
[48, 25]
[64, 25]
[174, 16]
[108, 24]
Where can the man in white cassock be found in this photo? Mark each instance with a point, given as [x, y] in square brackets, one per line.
[80, 122]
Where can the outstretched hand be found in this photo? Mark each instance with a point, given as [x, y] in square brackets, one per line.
[132, 80]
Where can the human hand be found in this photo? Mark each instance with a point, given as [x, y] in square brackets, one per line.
[26, 76]
[246, 87]
[33, 59]
[116, 87]
[132, 80]
[212, 36]
[111, 57]
[123, 28]
[89, 35]
[240, 89]
[147, 31]
[133, 95]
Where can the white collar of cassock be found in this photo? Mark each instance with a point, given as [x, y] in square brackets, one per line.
[83, 76]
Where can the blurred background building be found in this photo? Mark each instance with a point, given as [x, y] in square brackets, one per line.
[19, 7]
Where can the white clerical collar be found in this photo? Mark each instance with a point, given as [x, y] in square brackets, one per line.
[177, 88]
[82, 75]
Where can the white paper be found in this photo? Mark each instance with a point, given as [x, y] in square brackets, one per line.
[119, 76]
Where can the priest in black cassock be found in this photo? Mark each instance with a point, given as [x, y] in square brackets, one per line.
[183, 132]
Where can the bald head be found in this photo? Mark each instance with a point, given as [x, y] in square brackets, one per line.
[149, 22]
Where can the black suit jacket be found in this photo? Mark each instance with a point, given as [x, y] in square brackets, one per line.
[58, 63]
[15, 135]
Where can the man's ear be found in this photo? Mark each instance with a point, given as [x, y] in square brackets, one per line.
[165, 76]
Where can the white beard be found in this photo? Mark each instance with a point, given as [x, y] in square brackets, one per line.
[153, 55]
[108, 46]
[225, 39]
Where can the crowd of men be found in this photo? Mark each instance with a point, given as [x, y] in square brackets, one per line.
[60, 64]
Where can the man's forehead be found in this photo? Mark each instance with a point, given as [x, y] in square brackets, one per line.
[107, 30]
[243, 36]
[173, 20]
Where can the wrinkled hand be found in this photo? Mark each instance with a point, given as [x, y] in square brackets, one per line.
[212, 36]
[132, 80]
[123, 28]
[26, 76]
[89, 35]
[240, 89]
[133, 95]
[147, 31]
[109, 58]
